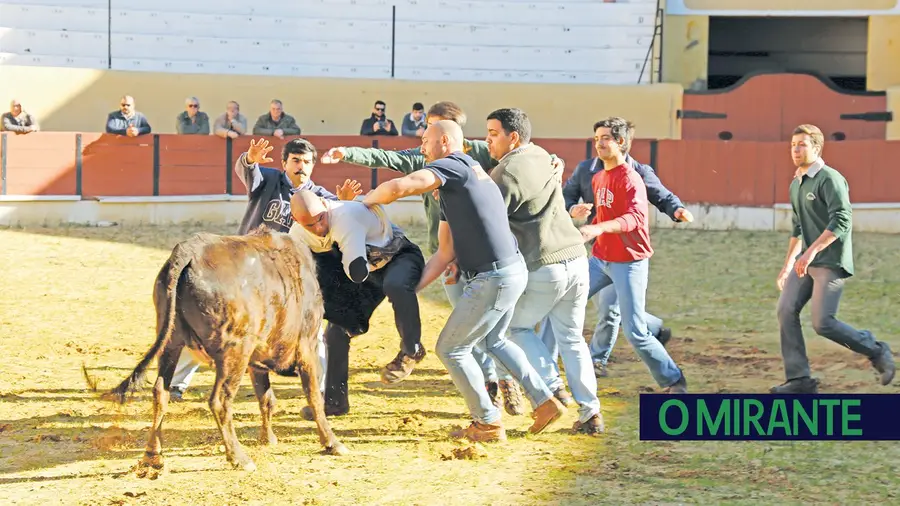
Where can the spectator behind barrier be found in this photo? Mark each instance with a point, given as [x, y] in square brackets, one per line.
[127, 120]
[276, 122]
[378, 123]
[192, 121]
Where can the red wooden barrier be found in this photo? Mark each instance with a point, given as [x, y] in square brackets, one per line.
[737, 173]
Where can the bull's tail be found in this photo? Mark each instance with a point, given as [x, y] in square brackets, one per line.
[180, 259]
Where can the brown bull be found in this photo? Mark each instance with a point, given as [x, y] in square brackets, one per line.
[240, 301]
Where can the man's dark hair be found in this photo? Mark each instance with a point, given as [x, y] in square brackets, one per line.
[418, 106]
[513, 120]
[297, 147]
[619, 128]
[449, 111]
[381, 102]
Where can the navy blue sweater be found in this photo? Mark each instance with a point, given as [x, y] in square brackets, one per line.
[579, 186]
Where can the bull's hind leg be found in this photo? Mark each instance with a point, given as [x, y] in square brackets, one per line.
[266, 398]
[152, 463]
[310, 380]
[230, 367]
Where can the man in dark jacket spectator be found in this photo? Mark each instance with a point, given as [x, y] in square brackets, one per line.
[127, 120]
[378, 123]
[578, 187]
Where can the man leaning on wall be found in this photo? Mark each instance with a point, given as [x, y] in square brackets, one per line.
[127, 120]
[192, 121]
[18, 121]
[231, 123]
[276, 122]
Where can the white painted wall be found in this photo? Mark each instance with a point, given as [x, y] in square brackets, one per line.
[572, 41]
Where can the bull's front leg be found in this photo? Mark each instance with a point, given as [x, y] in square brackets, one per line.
[266, 397]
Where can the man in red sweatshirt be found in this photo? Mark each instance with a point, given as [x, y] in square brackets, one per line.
[622, 229]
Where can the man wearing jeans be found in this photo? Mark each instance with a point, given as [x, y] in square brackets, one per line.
[622, 231]
[554, 254]
[819, 260]
[474, 231]
[578, 187]
[408, 161]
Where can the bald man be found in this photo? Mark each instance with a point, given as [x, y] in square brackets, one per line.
[361, 258]
[473, 231]
[127, 120]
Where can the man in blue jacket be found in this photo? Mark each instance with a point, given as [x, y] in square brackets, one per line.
[269, 192]
[579, 187]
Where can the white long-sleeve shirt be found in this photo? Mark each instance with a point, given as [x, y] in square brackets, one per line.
[356, 229]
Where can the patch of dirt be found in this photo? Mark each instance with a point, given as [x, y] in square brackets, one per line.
[472, 452]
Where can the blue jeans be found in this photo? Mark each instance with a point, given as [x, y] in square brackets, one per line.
[629, 280]
[482, 314]
[607, 330]
[558, 292]
[488, 365]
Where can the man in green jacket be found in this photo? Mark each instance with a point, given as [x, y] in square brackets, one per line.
[819, 260]
[410, 160]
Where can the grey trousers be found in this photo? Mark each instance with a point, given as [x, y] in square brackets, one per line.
[822, 286]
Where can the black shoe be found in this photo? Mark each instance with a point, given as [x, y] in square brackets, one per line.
[664, 335]
[805, 385]
[884, 363]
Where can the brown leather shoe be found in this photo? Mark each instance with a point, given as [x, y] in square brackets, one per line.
[545, 414]
[402, 366]
[481, 433]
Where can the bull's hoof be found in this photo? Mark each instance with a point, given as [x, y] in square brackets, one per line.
[268, 439]
[338, 450]
[243, 463]
[150, 467]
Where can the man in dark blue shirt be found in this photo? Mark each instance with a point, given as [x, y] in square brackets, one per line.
[269, 193]
[474, 231]
[579, 187]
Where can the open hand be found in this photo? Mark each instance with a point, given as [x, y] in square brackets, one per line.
[349, 190]
[258, 151]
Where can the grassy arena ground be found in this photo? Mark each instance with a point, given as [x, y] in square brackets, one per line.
[82, 295]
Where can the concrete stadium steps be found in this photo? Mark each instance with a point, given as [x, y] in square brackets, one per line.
[509, 40]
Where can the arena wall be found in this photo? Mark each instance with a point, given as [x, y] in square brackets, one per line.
[89, 178]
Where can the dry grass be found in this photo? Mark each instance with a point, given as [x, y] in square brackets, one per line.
[82, 295]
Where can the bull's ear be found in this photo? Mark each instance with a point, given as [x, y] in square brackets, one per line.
[359, 270]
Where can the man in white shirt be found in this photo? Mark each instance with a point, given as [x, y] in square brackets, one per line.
[361, 258]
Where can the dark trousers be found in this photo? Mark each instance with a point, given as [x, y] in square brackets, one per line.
[399, 279]
[822, 287]
[349, 306]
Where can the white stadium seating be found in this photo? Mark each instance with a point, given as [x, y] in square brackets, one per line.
[573, 41]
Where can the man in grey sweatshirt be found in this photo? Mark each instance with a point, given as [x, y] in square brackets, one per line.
[554, 254]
